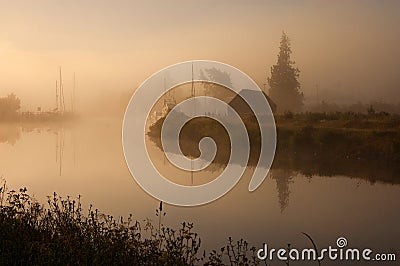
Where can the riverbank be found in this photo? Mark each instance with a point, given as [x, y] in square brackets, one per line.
[357, 145]
[40, 117]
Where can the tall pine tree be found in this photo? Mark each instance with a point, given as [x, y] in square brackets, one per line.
[284, 85]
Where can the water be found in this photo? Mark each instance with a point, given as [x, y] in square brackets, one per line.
[87, 159]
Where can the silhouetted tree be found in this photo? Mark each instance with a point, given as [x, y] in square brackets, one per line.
[284, 85]
[215, 75]
[9, 107]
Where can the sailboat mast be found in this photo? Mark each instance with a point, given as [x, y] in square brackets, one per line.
[73, 96]
[62, 100]
[192, 82]
[165, 93]
[191, 161]
[57, 96]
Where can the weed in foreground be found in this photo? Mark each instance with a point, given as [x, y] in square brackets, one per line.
[60, 233]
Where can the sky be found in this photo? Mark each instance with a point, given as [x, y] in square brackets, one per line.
[349, 48]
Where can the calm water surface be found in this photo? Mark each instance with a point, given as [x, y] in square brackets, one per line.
[87, 159]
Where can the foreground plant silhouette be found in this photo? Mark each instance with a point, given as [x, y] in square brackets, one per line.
[61, 234]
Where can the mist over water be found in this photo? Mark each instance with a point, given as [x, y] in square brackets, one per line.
[335, 173]
[91, 164]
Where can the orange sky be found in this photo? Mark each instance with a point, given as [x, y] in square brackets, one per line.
[349, 48]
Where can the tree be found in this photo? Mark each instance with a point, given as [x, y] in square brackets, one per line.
[284, 85]
[215, 75]
[9, 107]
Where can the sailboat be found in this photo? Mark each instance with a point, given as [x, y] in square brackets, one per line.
[60, 110]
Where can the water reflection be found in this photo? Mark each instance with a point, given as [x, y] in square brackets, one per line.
[59, 148]
[285, 168]
[9, 133]
[294, 198]
[288, 164]
[283, 178]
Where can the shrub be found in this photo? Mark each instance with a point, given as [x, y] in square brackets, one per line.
[61, 234]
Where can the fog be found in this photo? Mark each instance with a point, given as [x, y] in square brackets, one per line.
[348, 48]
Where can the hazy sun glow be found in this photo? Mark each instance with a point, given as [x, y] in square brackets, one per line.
[348, 48]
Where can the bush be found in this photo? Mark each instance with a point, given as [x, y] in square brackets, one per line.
[61, 234]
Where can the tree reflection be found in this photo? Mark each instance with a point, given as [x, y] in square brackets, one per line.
[9, 133]
[283, 178]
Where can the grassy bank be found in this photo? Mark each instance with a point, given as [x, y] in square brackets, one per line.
[60, 233]
[357, 145]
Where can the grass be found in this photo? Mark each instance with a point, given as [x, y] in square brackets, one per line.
[341, 120]
[59, 233]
